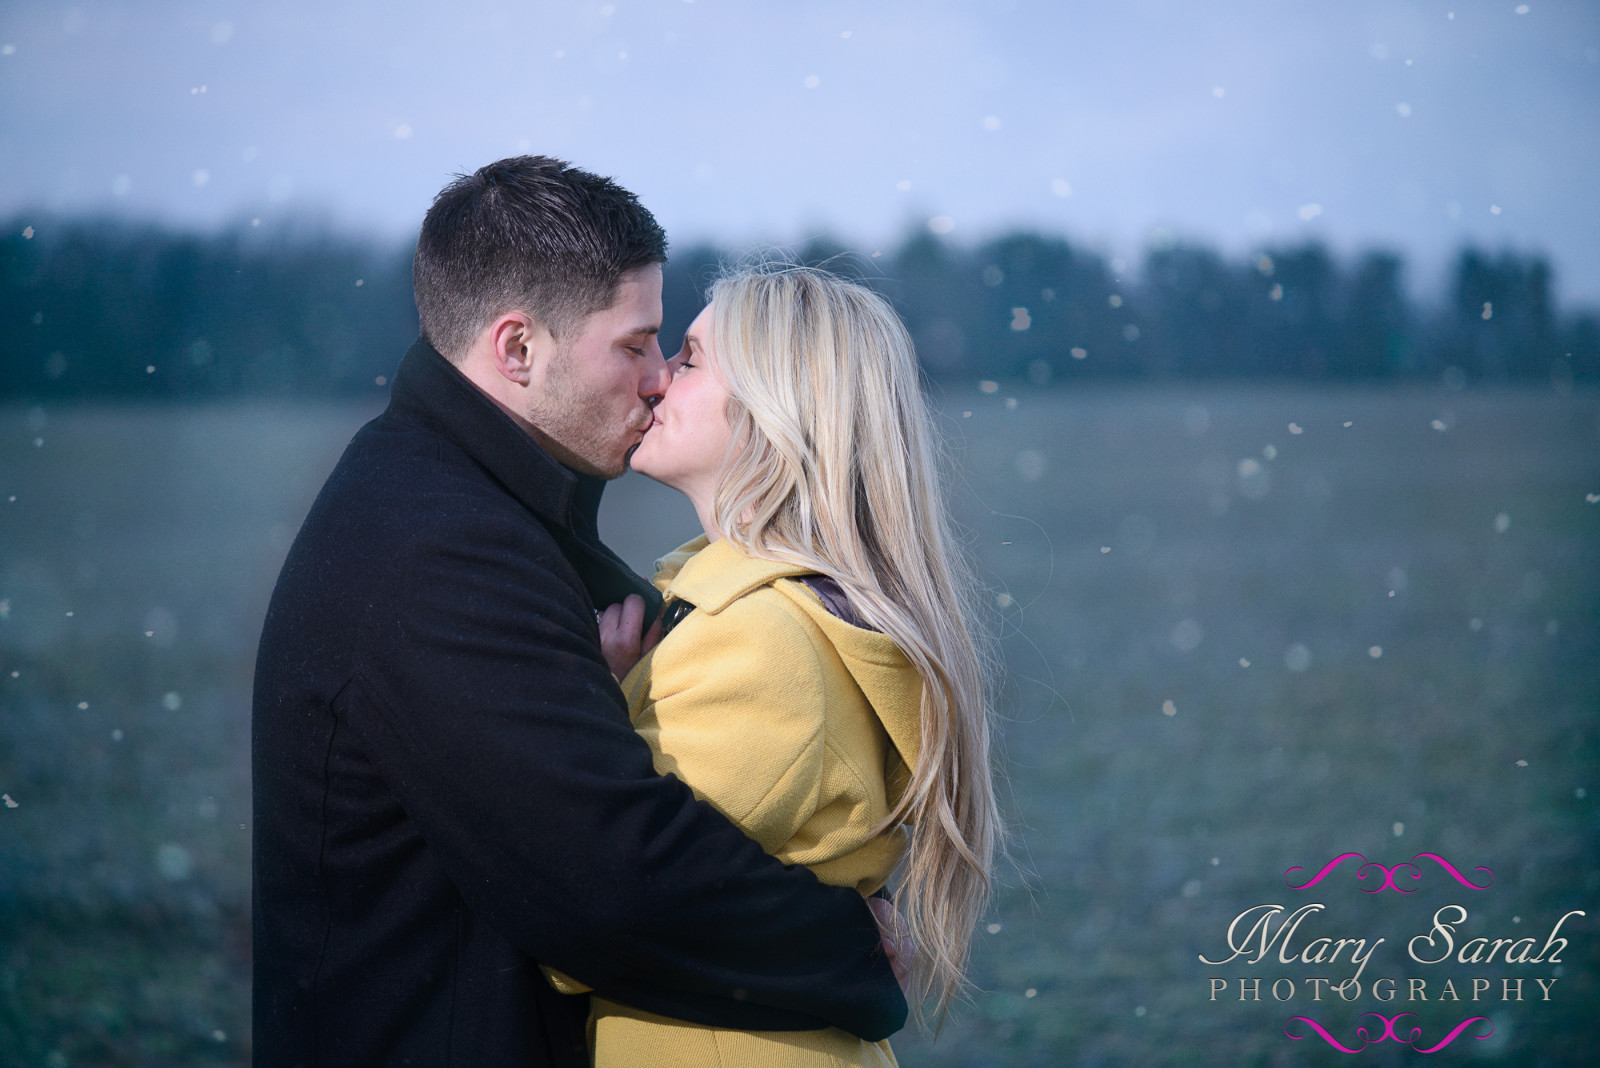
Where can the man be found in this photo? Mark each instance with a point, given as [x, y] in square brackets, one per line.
[447, 790]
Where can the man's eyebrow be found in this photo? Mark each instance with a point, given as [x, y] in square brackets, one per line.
[644, 331]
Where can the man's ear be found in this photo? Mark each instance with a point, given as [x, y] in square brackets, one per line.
[520, 346]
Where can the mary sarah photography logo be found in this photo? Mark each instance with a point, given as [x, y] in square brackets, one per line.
[1404, 955]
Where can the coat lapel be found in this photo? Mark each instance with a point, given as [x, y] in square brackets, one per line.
[429, 390]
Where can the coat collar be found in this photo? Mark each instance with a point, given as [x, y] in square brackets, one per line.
[713, 576]
[430, 391]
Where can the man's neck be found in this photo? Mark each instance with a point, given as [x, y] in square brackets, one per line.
[508, 397]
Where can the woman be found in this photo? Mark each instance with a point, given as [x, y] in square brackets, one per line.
[818, 681]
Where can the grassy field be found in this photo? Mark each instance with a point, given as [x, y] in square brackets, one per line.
[1244, 630]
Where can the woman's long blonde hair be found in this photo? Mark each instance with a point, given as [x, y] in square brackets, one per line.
[834, 465]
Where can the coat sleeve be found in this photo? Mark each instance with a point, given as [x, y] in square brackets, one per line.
[481, 696]
[740, 717]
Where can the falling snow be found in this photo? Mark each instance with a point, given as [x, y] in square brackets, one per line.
[1187, 636]
[1030, 465]
[174, 862]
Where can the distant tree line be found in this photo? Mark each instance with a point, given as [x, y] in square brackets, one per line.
[91, 308]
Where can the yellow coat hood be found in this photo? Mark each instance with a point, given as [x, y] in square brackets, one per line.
[712, 575]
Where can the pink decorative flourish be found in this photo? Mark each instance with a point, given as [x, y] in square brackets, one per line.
[1451, 1037]
[1367, 866]
[1462, 879]
[1388, 1028]
[1388, 876]
[1329, 1039]
[1326, 868]
[1388, 1033]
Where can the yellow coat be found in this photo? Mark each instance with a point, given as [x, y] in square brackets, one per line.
[799, 728]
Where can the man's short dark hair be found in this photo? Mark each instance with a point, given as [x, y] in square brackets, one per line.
[532, 234]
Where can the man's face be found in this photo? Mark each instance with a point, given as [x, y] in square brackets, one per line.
[594, 406]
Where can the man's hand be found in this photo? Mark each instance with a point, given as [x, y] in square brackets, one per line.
[621, 626]
[897, 943]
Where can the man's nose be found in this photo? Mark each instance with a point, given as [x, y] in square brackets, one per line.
[654, 386]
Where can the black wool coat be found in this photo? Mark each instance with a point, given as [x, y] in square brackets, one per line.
[448, 792]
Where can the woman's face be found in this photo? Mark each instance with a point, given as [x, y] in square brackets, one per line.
[688, 439]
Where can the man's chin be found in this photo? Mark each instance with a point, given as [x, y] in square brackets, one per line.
[592, 467]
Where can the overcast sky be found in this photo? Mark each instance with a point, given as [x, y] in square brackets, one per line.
[1412, 125]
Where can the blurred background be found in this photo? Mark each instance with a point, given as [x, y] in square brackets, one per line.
[1266, 337]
